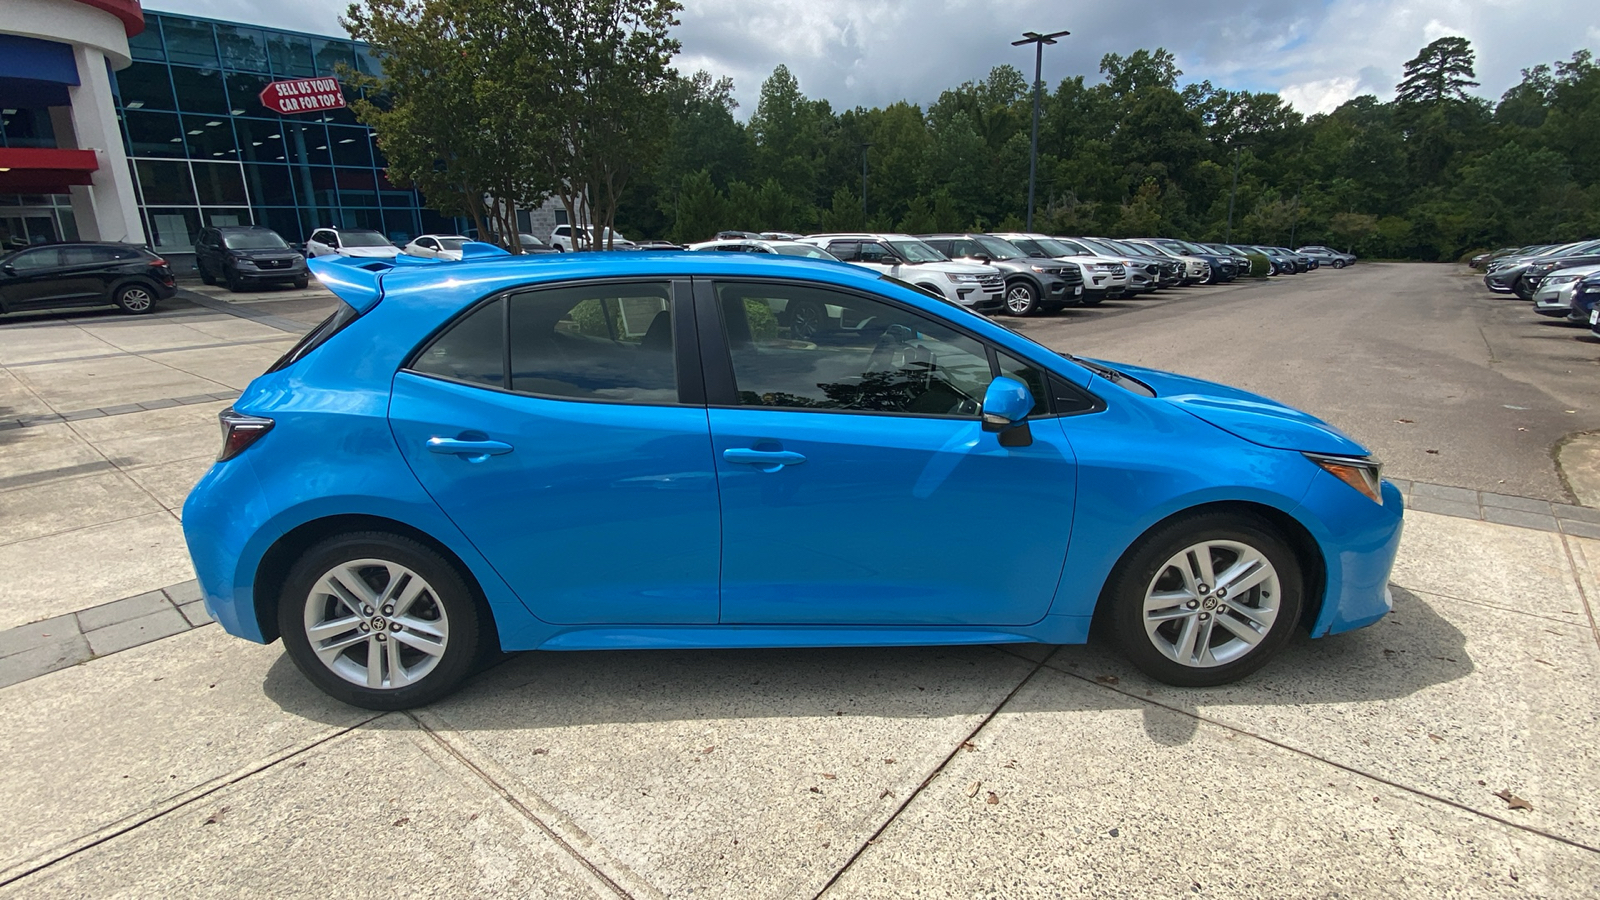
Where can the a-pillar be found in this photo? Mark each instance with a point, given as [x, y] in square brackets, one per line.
[107, 209]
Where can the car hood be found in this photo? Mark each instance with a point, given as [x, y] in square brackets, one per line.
[370, 252]
[1252, 417]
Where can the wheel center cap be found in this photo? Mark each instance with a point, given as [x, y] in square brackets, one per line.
[378, 624]
[1210, 603]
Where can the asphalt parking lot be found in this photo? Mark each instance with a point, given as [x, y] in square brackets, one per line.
[1450, 750]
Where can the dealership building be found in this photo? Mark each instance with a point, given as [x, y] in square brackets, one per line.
[124, 124]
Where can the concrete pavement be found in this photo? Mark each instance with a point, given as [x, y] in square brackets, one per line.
[1393, 761]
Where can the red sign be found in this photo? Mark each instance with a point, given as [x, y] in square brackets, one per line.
[303, 95]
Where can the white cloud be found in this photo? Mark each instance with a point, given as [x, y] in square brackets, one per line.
[1320, 96]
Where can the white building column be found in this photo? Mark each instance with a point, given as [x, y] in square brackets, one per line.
[106, 210]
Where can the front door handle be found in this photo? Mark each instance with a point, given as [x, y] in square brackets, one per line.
[471, 451]
[766, 460]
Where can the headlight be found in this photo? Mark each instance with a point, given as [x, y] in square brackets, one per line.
[1047, 270]
[1363, 474]
[961, 279]
[1561, 279]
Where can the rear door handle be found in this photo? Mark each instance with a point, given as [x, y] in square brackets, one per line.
[766, 460]
[471, 451]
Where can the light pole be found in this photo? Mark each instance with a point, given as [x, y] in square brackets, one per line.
[864, 184]
[1038, 41]
[1227, 234]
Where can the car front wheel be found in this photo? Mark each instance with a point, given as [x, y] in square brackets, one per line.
[1338, 264]
[379, 621]
[1022, 299]
[135, 298]
[1205, 600]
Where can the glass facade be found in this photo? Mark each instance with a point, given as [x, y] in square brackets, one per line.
[204, 151]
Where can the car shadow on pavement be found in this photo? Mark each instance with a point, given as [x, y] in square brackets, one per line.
[1410, 650]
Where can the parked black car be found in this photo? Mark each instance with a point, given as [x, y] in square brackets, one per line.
[1031, 284]
[247, 254]
[53, 276]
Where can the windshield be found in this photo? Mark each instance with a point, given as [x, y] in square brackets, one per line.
[363, 239]
[1195, 248]
[452, 243]
[1054, 248]
[916, 252]
[1156, 248]
[1103, 246]
[1127, 247]
[999, 249]
[805, 250]
[253, 240]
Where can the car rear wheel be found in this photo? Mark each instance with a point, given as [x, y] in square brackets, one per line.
[1022, 299]
[135, 298]
[1205, 600]
[379, 621]
[1338, 264]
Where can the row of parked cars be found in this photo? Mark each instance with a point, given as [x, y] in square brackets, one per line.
[1562, 280]
[1022, 274]
[1016, 273]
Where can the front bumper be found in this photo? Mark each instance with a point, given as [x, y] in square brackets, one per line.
[1555, 301]
[1359, 541]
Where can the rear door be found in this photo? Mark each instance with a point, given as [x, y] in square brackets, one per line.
[564, 431]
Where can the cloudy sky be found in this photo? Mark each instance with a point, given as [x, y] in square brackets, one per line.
[1317, 53]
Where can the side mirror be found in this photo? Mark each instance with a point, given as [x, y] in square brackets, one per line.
[9, 269]
[1006, 405]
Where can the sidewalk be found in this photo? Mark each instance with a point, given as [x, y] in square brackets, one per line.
[153, 755]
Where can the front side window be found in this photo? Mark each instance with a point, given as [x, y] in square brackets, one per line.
[811, 348]
[872, 252]
[33, 260]
[610, 342]
[916, 252]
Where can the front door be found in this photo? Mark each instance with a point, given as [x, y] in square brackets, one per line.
[857, 483]
[574, 464]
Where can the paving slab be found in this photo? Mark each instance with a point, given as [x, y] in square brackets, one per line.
[123, 737]
[379, 812]
[110, 381]
[726, 774]
[235, 366]
[47, 341]
[62, 573]
[41, 509]
[16, 400]
[1514, 568]
[134, 632]
[1453, 699]
[1098, 795]
[54, 654]
[156, 436]
[171, 482]
[45, 454]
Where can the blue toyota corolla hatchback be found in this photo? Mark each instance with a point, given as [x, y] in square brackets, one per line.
[640, 450]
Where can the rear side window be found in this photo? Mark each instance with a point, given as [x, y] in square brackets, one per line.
[609, 342]
[316, 337]
[472, 350]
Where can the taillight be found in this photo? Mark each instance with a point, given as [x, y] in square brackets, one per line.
[158, 261]
[239, 431]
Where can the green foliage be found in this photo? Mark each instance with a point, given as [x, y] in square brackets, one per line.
[1426, 176]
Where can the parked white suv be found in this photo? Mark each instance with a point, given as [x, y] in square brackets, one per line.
[978, 288]
[562, 239]
[362, 242]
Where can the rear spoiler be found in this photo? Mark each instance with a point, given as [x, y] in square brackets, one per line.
[358, 281]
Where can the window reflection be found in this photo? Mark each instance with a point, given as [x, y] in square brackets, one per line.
[242, 48]
[189, 42]
[165, 183]
[199, 90]
[219, 184]
[146, 85]
[154, 134]
[209, 137]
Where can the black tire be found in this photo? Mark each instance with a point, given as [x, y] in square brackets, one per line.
[1123, 601]
[447, 597]
[806, 318]
[235, 283]
[137, 298]
[205, 277]
[1022, 298]
[1093, 299]
[1339, 264]
[302, 282]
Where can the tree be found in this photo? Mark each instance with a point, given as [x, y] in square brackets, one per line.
[1351, 229]
[451, 114]
[1142, 69]
[1440, 71]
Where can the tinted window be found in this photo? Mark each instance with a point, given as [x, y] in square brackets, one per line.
[81, 256]
[473, 349]
[942, 246]
[332, 325]
[801, 347]
[36, 259]
[849, 251]
[871, 252]
[598, 342]
[964, 248]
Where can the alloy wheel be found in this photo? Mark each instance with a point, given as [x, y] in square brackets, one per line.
[1211, 603]
[376, 624]
[136, 299]
[1020, 300]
